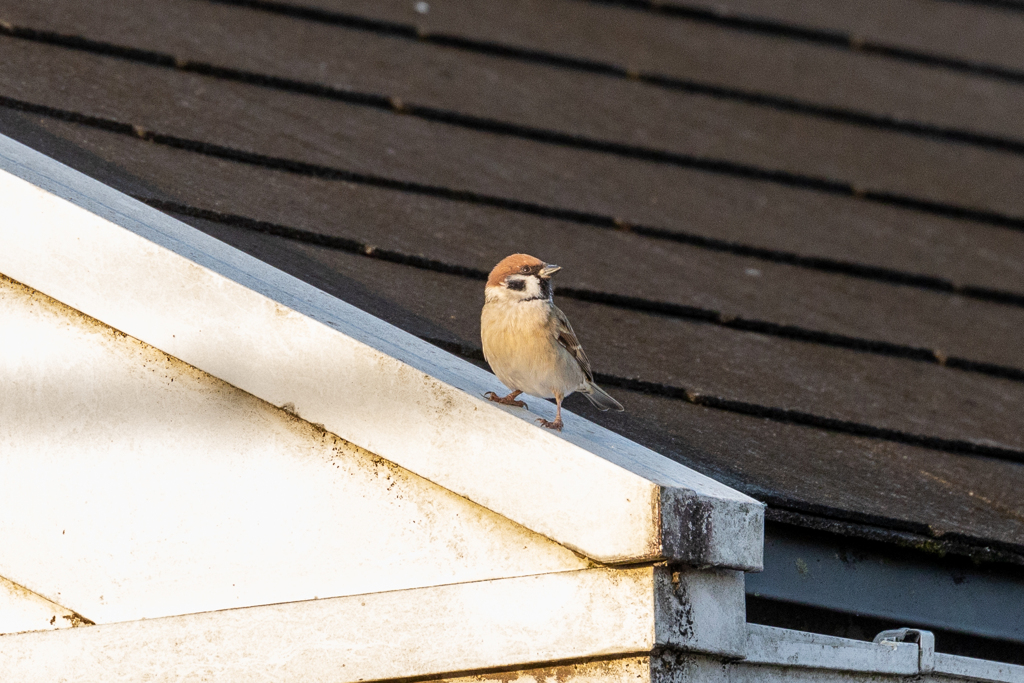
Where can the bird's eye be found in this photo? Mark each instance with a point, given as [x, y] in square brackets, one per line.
[524, 269]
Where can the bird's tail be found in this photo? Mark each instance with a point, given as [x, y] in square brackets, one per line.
[600, 399]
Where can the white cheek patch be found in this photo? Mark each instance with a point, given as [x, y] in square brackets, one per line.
[527, 287]
[533, 288]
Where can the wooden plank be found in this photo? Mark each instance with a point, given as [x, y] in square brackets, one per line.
[373, 637]
[882, 392]
[930, 491]
[598, 260]
[705, 53]
[972, 32]
[635, 116]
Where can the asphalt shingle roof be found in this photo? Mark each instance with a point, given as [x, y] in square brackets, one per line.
[792, 239]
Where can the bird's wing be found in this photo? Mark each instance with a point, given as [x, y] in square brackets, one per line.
[567, 338]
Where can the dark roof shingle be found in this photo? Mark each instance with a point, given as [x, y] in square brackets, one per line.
[799, 266]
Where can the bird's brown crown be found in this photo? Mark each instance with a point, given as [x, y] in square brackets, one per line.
[513, 264]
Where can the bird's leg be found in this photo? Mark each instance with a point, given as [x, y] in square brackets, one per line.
[509, 400]
[557, 424]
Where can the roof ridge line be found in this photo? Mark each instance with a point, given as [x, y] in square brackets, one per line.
[683, 311]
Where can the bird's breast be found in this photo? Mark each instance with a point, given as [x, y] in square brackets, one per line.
[520, 346]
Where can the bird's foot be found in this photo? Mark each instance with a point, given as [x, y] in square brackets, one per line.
[509, 400]
[556, 425]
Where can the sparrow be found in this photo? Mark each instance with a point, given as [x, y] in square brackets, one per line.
[528, 341]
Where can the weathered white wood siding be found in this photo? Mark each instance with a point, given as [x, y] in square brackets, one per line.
[433, 631]
[23, 610]
[135, 486]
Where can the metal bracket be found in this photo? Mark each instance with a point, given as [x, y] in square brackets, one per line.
[925, 645]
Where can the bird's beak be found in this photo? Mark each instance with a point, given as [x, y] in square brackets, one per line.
[548, 270]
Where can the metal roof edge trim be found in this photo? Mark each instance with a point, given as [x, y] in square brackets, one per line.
[288, 343]
[785, 647]
[771, 646]
[977, 669]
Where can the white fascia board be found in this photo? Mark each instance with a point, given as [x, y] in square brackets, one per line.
[418, 632]
[286, 342]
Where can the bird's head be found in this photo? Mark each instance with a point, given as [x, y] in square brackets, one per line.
[521, 277]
